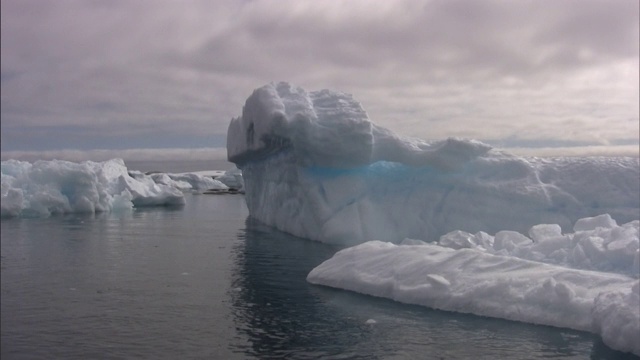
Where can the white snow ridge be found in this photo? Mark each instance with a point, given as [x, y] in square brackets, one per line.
[422, 212]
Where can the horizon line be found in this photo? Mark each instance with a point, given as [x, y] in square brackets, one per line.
[220, 153]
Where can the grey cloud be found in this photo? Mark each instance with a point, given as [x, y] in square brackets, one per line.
[486, 69]
[606, 28]
[459, 38]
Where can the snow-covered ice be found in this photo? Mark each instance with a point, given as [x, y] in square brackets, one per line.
[476, 282]
[314, 165]
[598, 243]
[188, 181]
[232, 178]
[423, 212]
[43, 188]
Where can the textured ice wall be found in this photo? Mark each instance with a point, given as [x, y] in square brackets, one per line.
[315, 166]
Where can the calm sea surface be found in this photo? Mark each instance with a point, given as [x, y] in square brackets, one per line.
[205, 282]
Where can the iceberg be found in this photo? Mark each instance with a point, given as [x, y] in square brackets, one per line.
[232, 179]
[418, 215]
[471, 281]
[315, 166]
[58, 187]
[51, 187]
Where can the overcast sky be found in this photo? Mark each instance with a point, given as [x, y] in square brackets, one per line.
[550, 76]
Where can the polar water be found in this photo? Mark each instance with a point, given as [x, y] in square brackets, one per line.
[452, 224]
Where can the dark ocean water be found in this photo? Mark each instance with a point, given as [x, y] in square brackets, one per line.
[204, 281]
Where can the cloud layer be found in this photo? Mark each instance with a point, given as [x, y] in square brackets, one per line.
[160, 73]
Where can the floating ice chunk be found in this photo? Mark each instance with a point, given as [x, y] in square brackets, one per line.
[165, 179]
[472, 281]
[145, 192]
[616, 317]
[55, 187]
[232, 178]
[12, 200]
[188, 181]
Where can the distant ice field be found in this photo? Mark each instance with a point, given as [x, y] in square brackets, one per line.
[43, 188]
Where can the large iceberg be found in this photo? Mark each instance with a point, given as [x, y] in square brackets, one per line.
[315, 166]
[43, 188]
